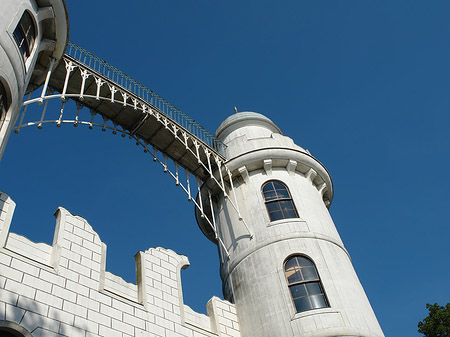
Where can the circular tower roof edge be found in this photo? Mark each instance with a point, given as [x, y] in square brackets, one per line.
[247, 117]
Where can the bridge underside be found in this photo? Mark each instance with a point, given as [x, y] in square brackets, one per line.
[118, 103]
[131, 114]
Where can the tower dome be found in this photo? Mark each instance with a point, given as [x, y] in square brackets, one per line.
[245, 118]
[247, 131]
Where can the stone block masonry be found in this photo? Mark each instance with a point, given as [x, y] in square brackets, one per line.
[64, 289]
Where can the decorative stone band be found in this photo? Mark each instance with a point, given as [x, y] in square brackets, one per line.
[290, 159]
[295, 235]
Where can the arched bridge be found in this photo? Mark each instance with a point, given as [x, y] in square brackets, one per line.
[93, 93]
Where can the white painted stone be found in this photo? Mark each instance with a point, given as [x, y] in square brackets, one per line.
[66, 301]
[253, 274]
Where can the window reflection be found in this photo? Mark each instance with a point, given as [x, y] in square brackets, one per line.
[278, 201]
[25, 35]
[304, 284]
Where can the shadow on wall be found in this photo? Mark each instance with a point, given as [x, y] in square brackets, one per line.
[23, 316]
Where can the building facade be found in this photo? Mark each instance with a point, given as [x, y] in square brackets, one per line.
[63, 289]
[284, 268]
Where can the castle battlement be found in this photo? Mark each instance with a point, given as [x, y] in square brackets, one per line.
[64, 289]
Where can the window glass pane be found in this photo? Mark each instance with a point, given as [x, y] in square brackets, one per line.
[318, 301]
[18, 36]
[278, 186]
[273, 191]
[275, 216]
[313, 288]
[304, 262]
[291, 263]
[290, 214]
[298, 291]
[273, 206]
[286, 205]
[270, 195]
[26, 21]
[268, 187]
[283, 194]
[302, 304]
[295, 276]
[304, 284]
[30, 38]
[309, 273]
[25, 35]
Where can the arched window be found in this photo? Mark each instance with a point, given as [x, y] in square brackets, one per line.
[304, 284]
[278, 201]
[4, 103]
[11, 329]
[25, 35]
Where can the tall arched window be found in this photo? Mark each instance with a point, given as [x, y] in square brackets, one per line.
[278, 201]
[4, 103]
[25, 35]
[304, 284]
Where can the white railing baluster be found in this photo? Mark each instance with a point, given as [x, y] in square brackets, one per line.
[69, 68]
[47, 79]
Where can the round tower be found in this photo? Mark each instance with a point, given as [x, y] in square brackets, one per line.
[34, 37]
[285, 266]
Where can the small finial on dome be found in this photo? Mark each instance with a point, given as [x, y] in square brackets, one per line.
[236, 110]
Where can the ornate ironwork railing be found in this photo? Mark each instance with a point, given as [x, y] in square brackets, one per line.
[128, 83]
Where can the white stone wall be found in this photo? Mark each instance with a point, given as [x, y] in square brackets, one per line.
[64, 290]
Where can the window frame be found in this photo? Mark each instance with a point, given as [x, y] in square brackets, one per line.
[317, 282]
[278, 200]
[25, 35]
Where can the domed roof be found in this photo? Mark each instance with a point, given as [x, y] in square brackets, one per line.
[247, 118]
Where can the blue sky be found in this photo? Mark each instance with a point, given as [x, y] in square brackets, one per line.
[364, 85]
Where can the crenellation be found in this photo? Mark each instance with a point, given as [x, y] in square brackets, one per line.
[196, 319]
[117, 285]
[63, 289]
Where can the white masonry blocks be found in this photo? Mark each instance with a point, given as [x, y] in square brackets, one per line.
[64, 289]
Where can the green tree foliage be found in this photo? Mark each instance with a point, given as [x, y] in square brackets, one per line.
[437, 323]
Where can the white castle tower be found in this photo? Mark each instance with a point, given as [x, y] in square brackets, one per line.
[34, 36]
[287, 272]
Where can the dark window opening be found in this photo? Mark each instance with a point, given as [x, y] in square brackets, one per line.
[4, 103]
[278, 201]
[304, 284]
[25, 35]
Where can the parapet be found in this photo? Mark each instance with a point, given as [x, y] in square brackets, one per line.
[64, 289]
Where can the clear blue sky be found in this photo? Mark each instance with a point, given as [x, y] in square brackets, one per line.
[364, 85]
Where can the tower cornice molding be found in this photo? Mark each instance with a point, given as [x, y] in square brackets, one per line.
[281, 157]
